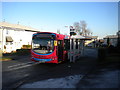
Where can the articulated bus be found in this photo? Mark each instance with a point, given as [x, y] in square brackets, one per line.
[48, 47]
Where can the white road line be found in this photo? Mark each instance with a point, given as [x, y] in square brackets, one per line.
[22, 66]
[19, 64]
[19, 67]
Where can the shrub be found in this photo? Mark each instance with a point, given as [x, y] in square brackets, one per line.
[26, 47]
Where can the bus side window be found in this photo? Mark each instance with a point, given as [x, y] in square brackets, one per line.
[66, 44]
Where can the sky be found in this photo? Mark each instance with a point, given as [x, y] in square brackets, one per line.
[101, 17]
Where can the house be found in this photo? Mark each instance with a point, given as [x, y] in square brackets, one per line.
[113, 39]
[14, 36]
[91, 42]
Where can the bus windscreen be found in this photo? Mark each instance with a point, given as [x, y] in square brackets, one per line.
[43, 43]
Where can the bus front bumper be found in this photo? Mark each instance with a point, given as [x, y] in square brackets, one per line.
[41, 60]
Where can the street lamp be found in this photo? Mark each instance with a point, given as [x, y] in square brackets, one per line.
[66, 30]
[72, 31]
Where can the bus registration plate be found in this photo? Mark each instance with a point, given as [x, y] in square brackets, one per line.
[42, 61]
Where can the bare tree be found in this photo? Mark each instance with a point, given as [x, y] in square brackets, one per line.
[81, 28]
[83, 25]
[89, 33]
[77, 26]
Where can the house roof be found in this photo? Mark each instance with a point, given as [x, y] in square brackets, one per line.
[94, 37]
[111, 36]
[18, 26]
[80, 37]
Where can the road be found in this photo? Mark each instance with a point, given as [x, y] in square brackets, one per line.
[23, 70]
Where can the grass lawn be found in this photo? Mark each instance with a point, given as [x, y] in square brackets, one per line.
[5, 59]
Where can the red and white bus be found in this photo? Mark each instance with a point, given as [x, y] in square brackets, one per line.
[48, 47]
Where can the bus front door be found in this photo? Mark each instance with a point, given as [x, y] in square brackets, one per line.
[60, 50]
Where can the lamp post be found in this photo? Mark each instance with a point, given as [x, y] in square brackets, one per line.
[66, 30]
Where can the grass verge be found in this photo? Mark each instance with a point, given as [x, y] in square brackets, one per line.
[5, 59]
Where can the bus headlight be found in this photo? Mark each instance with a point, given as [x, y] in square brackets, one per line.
[54, 58]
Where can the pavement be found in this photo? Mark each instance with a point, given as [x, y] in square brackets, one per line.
[105, 75]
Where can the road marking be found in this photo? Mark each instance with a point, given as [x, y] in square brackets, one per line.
[19, 64]
[26, 75]
[22, 66]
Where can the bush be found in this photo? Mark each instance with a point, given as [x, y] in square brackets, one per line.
[23, 51]
[112, 49]
[102, 52]
[26, 47]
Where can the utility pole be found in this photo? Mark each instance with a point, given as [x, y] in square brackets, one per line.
[118, 41]
[66, 30]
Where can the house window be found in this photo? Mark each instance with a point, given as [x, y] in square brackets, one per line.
[7, 32]
[9, 40]
[11, 43]
[7, 43]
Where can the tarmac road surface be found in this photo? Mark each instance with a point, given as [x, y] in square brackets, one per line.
[23, 70]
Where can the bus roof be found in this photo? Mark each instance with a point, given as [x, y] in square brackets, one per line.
[58, 36]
